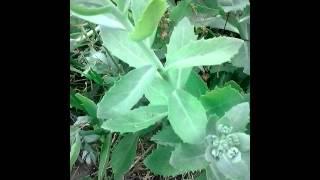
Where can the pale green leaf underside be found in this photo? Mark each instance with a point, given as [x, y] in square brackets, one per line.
[136, 119]
[189, 157]
[213, 51]
[158, 162]
[220, 100]
[123, 154]
[137, 7]
[187, 117]
[149, 20]
[182, 34]
[123, 5]
[106, 20]
[237, 117]
[158, 91]
[120, 45]
[125, 93]
[244, 140]
[166, 137]
[239, 170]
[242, 59]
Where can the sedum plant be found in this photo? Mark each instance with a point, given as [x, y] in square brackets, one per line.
[201, 129]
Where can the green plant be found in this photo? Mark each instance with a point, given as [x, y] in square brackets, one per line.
[201, 129]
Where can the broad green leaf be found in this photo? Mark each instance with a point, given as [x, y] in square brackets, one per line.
[220, 100]
[137, 8]
[166, 137]
[187, 117]
[182, 34]
[158, 162]
[90, 7]
[242, 59]
[123, 154]
[123, 5]
[136, 54]
[125, 93]
[189, 157]
[233, 170]
[75, 150]
[104, 156]
[88, 105]
[136, 119]
[195, 85]
[213, 51]
[159, 91]
[237, 117]
[182, 9]
[149, 20]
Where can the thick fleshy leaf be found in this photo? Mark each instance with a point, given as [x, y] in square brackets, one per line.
[195, 85]
[148, 22]
[189, 157]
[213, 173]
[125, 93]
[220, 100]
[242, 59]
[158, 162]
[166, 137]
[88, 105]
[104, 156]
[233, 170]
[136, 54]
[123, 5]
[187, 117]
[75, 150]
[159, 91]
[244, 141]
[137, 7]
[213, 51]
[136, 119]
[237, 117]
[123, 154]
[182, 34]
